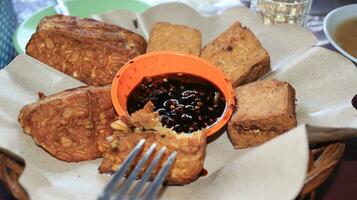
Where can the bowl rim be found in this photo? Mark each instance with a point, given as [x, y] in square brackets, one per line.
[230, 98]
[329, 36]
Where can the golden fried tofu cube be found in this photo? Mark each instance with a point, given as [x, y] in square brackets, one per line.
[265, 109]
[239, 54]
[175, 37]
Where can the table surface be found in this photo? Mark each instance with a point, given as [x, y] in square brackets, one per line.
[342, 183]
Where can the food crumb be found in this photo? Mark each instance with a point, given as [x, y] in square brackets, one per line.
[41, 95]
[135, 23]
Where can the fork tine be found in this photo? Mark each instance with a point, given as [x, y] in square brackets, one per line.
[124, 189]
[154, 188]
[147, 173]
[109, 189]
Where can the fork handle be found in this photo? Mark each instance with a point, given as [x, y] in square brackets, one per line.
[327, 134]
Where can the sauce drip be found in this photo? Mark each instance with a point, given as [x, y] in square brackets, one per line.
[354, 101]
[204, 172]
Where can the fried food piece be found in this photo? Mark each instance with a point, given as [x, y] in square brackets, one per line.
[71, 125]
[175, 37]
[265, 109]
[86, 49]
[239, 54]
[146, 124]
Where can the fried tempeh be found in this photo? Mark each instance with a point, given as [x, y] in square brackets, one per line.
[265, 109]
[239, 54]
[175, 37]
[71, 125]
[146, 124]
[86, 49]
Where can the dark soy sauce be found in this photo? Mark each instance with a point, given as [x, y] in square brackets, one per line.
[184, 102]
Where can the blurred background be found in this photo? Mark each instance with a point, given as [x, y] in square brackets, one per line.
[13, 12]
[343, 182]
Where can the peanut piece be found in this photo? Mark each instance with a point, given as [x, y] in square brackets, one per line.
[67, 113]
[119, 125]
[66, 142]
[49, 43]
[74, 57]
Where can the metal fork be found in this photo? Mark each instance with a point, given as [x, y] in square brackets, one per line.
[117, 191]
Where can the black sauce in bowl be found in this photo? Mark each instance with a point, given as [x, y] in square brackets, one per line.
[184, 102]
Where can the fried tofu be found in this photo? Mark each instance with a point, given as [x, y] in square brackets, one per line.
[71, 125]
[175, 37]
[86, 49]
[145, 124]
[265, 109]
[239, 54]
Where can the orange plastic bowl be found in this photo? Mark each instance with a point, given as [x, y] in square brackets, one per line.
[165, 62]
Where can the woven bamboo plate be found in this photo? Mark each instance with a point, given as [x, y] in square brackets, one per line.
[323, 159]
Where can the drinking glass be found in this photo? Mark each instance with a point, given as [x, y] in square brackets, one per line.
[282, 11]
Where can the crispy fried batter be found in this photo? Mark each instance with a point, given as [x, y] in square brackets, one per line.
[86, 49]
[71, 125]
[239, 54]
[265, 109]
[146, 124]
[175, 37]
